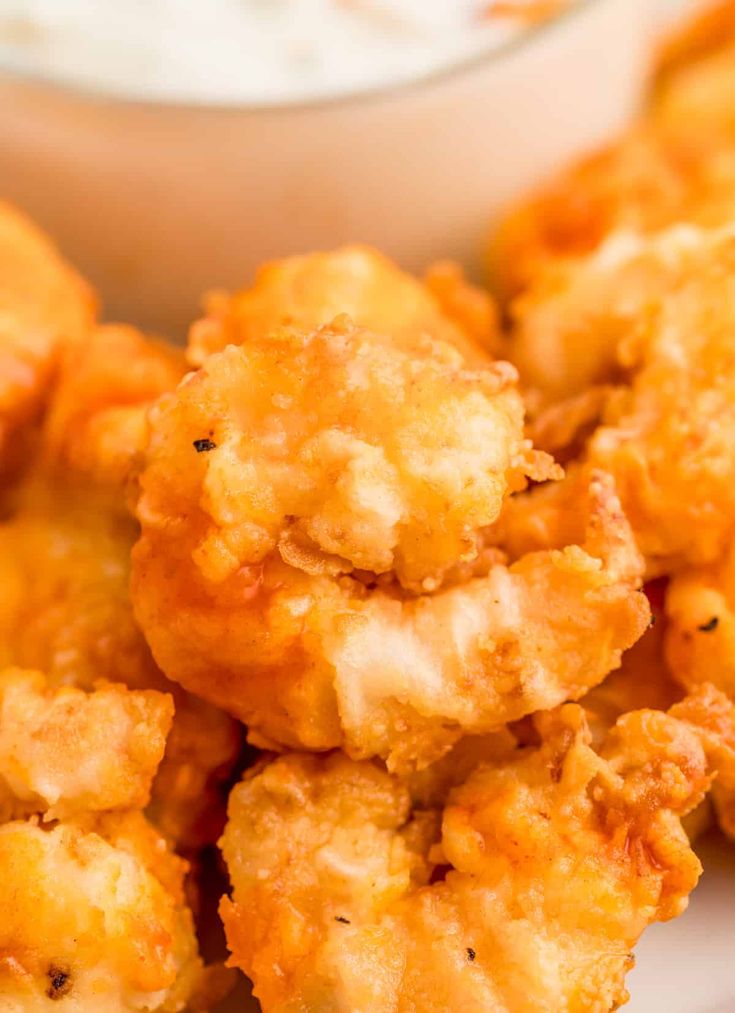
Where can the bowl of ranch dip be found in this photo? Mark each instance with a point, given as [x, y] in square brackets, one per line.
[171, 145]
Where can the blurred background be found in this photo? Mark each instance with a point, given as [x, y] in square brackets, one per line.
[172, 145]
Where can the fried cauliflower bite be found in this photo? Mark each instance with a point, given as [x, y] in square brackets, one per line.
[661, 322]
[64, 566]
[700, 640]
[569, 326]
[336, 444]
[696, 37]
[700, 643]
[677, 165]
[96, 423]
[64, 751]
[303, 499]
[526, 893]
[643, 680]
[695, 84]
[44, 306]
[640, 184]
[64, 603]
[93, 918]
[698, 103]
[309, 291]
[65, 609]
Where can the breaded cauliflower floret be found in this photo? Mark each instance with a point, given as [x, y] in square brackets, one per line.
[64, 605]
[64, 751]
[676, 165]
[639, 184]
[658, 317]
[711, 27]
[337, 444]
[700, 639]
[65, 609]
[643, 679]
[64, 565]
[93, 918]
[309, 291]
[570, 325]
[526, 893]
[700, 643]
[44, 307]
[96, 423]
[695, 95]
[311, 506]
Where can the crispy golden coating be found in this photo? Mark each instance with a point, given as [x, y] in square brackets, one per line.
[65, 609]
[92, 918]
[526, 893]
[657, 318]
[639, 184]
[64, 751]
[709, 29]
[44, 305]
[643, 680]
[335, 443]
[571, 327]
[96, 425]
[64, 566]
[700, 642]
[64, 605]
[694, 100]
[311, 290]
[676, 165]
[470, 308]
[306, 501]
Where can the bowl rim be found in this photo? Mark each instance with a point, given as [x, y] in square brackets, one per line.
[492, 54]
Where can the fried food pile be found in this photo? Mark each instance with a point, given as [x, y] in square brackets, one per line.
[45, 308]
[523, 889]
[313, 558]
[441, 594]
[619, 284]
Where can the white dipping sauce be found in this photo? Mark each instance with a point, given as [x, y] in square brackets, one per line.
[250, 51]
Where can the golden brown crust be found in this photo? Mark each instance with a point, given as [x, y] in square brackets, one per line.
[675, 165]
[641, 183]
[549, 862]
[710, 29]
[655, 317]
[65, 608]
[93, 912]
[312, 290]
[643, 680]
[44, 308]
[96, 426]
[64, 751]
[700, 646]
[64, 566]
[304, 498]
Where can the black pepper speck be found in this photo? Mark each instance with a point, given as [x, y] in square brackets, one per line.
[60, 982]
[710, 625]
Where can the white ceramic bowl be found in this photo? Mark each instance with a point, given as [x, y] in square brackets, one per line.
[157, 202]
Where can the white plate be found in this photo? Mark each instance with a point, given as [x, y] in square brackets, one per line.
[684, 966]
[688, 965]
